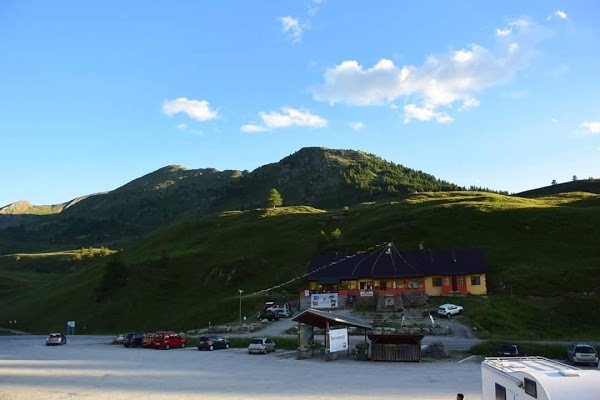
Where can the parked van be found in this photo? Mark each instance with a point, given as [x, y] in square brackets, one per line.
[279, 308]
[168, 340]
[536, 378]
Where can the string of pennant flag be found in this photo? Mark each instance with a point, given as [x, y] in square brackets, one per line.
[375, 248]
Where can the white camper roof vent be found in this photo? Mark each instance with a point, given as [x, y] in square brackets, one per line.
[568, 372]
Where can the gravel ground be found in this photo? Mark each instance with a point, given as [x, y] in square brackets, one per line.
[88, 368]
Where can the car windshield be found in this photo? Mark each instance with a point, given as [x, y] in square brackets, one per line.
[507, 348]
[584, 349]
[256, 341]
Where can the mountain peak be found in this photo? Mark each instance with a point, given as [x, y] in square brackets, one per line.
[18, 207]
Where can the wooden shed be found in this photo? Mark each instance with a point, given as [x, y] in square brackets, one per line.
[396, 347]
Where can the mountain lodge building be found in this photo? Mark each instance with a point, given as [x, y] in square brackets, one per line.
[389, 271]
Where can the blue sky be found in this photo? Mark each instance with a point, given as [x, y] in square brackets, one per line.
[499, 94]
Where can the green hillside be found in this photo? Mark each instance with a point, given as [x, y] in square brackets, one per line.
[583, 185]
[542, 255]
[316, 177]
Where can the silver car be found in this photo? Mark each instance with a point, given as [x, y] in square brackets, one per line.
[261, 345]
[582, 353]
[56, 339]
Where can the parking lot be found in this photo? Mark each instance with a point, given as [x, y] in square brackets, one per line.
[88, 368]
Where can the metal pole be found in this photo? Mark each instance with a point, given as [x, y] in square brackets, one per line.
[241, 291]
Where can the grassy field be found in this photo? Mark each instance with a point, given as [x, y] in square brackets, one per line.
[542, 256]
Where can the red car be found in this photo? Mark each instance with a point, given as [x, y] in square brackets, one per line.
[168, 340]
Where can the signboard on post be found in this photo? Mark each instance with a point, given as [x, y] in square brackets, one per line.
[324, 300]
[338, 340]
[70, 327]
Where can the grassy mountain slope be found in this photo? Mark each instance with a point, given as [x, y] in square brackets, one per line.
[316, 177]
[543, 251]
[583, 185]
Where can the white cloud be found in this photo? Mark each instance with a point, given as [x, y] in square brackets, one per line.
[503, 32]
[561, 14]
[183, 127]
[463, 56]
[593, 127]
[252, 128]
[288, 117]
[554, 120]
[313, 7]
[412, 111]
[357, 126]
[469, 103]
[442, 80]
[291, 26]
[198, 110]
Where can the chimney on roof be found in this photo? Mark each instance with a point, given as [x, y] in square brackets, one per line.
[421, 245]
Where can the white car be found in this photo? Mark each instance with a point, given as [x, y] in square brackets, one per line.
[261, 345]
[447, 310]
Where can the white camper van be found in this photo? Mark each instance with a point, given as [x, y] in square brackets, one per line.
[283, 309]
[536, 378]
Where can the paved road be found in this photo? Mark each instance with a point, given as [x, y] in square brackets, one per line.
[87, 368]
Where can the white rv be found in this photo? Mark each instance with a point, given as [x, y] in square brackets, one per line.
[527, 378]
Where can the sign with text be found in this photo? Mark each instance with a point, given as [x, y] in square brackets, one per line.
[338, 340]
[324, 300]
[71, 324]
[368, 293]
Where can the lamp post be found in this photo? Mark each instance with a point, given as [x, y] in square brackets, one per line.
[241, 291]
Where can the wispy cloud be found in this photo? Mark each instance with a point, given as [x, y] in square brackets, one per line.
[558, 14]
[592, 127]
[286, 118]
[183, 127]
[291, 27]
[313, 7]
[503, 32]
[196, 109]
[442, 80]
[468, 104]
[561, 14]
[357, 126]
[427, 113]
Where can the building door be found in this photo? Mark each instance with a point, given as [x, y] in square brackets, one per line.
[454, 283]
[381, 285]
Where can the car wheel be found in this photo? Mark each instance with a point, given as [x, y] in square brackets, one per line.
[126, 345]
[211, 348]
[596, 364]
[274, 348]
[183, 345]
[265, 351]
[167, 347]
[226, 345]
[460, 312]
[199, 348]
[448, 315]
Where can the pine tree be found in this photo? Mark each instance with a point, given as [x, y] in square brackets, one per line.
[274, 198]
